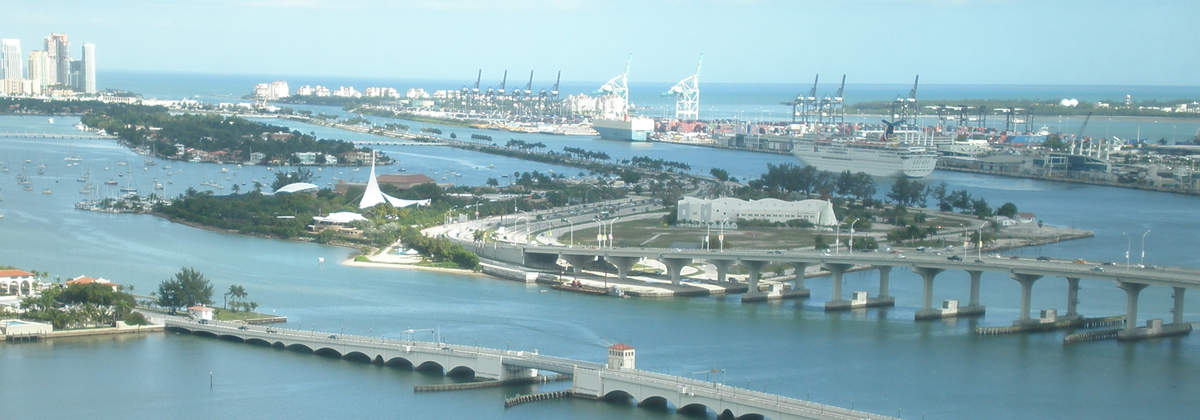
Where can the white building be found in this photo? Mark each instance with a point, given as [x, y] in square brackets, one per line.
[89, 67]
[10, 59]
[17, 282]
[715, 211]
[41, 68]
[416, 93]
[382, 92]
[274, 90]
[305, 90]
[201, 312]
[347, 92]
[621, 356]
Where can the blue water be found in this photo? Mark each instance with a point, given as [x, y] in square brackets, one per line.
[877, 360]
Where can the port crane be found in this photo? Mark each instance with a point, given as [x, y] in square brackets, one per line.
[529, 85]
[804, 105]
[687, 95]
[618, 86]
[553, 91]
[835, 106]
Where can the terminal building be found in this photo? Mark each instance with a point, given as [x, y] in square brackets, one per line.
[726, 210]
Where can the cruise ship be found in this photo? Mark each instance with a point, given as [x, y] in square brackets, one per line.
[630, 129]
[873, 157]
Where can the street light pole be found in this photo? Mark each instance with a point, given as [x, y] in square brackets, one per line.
[721, 236]
[1143, 263]
[979, 246]
[1128, 245]
[837, 239]
[852, 235]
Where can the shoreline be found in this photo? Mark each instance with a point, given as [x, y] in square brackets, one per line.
[349, 262]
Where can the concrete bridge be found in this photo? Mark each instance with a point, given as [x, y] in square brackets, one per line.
[928, 266]
[589, 379]
[76, 136]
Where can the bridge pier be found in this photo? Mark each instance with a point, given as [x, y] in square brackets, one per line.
[1072, 298]
[722, 269]
[578, 262]
[798, 289]
[1154, 327]
[753, 294]
[674, 267]
[624, 265]
[1026, 281]
[927, 275]
[836, 303]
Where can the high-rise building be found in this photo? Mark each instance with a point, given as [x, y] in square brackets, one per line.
[62, 57]
[89, 67]
[76, 77]
[41, 69]
[10, 59]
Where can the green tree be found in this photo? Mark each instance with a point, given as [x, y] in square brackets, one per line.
[188, 287]
[720, 174]
[1007, 210]
[493, 182]
[235, 294]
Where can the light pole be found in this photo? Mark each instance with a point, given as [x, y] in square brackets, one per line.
[1143, 262]
[611, 229]
[571, 228]
[852, 235]
[979, 246]
[1128, 245]
[966, 240]
[837, 239]
[721, 236]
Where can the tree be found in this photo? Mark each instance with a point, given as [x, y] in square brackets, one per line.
[493, 182]
[285, 178]
[720, 174]
[1007, 210]
[187, 288]
[237, 293]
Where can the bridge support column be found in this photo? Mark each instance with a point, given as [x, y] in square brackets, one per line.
[754, 267]
[624, 265]
[927, 275]
[1026, 281]
[836, 303]
[674, 267]
[1154, 327]
[722, 269]
[578, 262]
[798, 289]
[1072, 297]
[1177, 310]
[885, 272]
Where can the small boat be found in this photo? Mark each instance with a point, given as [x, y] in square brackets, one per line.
[73, 158]
[122, 163]
[28, 188]
[47, 191]
[110, 182]
[50, 120]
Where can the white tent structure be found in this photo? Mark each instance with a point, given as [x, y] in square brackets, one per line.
[340, 218]
[297, 187]
[372, 196]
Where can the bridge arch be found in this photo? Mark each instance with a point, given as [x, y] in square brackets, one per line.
[461, 372]
[430, 366]
[258, 341]
[231, 337]
[696, 409]
[357, 356]
[298, 347]
[619, 396]
[329, 352]
[657, 402]
[399, 361]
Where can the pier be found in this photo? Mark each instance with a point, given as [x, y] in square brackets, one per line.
[589, 380]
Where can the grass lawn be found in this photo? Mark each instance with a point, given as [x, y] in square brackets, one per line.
[227, 315]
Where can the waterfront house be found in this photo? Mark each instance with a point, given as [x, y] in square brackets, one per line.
[1026, 217]
[12, 282]
[201, 312]
[84, 280]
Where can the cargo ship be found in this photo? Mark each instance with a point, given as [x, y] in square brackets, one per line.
[629, 129]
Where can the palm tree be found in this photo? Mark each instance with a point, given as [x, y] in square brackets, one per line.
[236, 292]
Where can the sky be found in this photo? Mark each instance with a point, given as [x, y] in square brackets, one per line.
[1073, 42]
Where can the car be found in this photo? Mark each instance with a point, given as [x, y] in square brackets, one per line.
[271, 330]
[1109, 263]
[333, 336]
[979, 260]
[1013, 257]
[900, 256]
[920, 249]
[954, 258]
[1098, 268]
[1043, 258]
[242, 327]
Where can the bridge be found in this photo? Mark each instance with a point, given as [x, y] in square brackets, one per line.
[589, 379]
[74, 136]
[1024, 271]
[369, 142]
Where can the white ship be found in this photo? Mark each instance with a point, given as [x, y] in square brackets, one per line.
[633, 128]
[874, 158]
[617, 123]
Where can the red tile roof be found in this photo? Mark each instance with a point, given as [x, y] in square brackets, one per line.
[90, 280]
[199, 308]
[15, 273]
[619, 346]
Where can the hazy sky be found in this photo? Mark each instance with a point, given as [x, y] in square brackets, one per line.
[875, 41]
